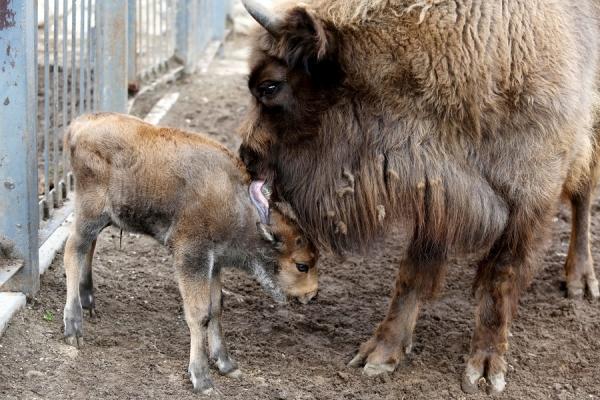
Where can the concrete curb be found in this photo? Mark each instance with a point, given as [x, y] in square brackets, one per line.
[10, 303]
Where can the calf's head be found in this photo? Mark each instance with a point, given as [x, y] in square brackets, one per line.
[293, 257]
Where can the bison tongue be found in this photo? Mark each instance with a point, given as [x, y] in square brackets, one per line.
[259, 200]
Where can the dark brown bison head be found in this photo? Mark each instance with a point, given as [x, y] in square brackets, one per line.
[294, 79]
[345, 126]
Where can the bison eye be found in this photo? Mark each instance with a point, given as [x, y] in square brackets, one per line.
[269, 88]
[302, 267]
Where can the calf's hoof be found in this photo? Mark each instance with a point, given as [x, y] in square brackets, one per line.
[228, 367]
[201, 381]
[235, 374]
[73, 323]
[88, 302]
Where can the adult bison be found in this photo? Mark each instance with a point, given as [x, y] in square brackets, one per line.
[461, 120]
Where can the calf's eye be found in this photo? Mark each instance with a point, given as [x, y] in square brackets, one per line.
[302, 267]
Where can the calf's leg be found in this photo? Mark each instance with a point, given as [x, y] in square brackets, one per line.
[216, 344]
[193, 274]
[86, 284]
[79, 251]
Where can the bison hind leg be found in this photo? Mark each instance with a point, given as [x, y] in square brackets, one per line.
[579, 266]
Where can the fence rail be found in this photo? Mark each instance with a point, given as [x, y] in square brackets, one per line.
[63, 58]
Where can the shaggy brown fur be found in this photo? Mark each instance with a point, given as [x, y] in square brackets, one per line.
[191, 194]
[461, 120]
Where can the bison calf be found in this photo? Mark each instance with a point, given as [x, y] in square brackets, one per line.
[191, 194]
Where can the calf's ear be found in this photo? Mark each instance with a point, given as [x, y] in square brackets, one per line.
[265, 232]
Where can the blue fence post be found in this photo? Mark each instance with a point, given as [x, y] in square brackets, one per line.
[112, 49]
[132, 45]
[186, 40]
[18, 160]
[219, 17]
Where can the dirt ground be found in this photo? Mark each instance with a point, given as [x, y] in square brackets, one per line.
[137, 347]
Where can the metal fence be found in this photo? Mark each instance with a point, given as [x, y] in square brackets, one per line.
[63, 58]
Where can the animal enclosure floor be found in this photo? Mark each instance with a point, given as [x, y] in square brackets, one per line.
[137, 347]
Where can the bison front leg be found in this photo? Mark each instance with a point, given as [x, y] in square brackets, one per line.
[416, 281]
[193, 273]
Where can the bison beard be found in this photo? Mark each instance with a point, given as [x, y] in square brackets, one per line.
[462, 122]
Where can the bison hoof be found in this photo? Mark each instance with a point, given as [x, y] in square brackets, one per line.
[75, 341]
[378, 369]
[228, 367]
[73, 328]
[577, 290]
[357, 362]
[203, 386]
[473, 378]
[87, 301]
[236, 374]
[497, 383]
[593, 289]
[200, 380]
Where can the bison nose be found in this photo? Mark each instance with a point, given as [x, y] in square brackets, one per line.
[308, 297]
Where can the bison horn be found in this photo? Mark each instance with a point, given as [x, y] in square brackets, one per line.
[263, 16]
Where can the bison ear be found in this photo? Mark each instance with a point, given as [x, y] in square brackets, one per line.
[308, 40]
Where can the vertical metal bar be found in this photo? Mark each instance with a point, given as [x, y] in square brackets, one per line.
[97, 53]
[218, 20]
[184, 42]
[147, 59]
[131, 43]
[162, 42]
[154, 38]
[82, 59]
[65, 91]
[73, 59]
[113, 68]
[55, 108]
[18, 175]
[48, 203]
[165, 32]
[36, 85]
[139, 51]
[89, 58]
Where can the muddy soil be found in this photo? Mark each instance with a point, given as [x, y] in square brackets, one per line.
[137, 346]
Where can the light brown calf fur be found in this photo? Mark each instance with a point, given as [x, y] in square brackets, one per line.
[462, 121]
[191, 194]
